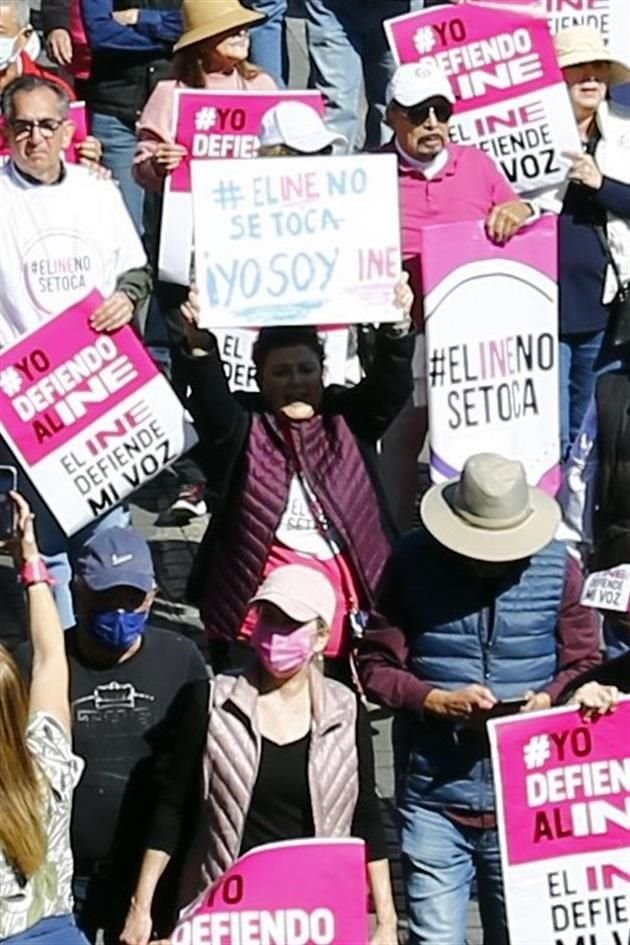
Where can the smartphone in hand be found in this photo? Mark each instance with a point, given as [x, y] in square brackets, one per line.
[506, 707]
[8, 483]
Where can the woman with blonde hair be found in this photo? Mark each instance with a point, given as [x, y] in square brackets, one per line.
[38, 772]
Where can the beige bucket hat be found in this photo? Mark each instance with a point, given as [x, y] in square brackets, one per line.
[579, 44]
[490, 513]
[205, 18]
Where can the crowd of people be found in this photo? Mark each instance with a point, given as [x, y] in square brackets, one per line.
[133, 774]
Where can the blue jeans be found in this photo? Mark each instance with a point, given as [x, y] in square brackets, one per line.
[579, 364]
[440, 859]
[119, 147]
[347, 44]
[58, 930]
[269, 40]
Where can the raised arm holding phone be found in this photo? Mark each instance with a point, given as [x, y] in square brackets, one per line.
[38, 771]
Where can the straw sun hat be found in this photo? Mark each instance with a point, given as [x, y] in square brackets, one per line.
[579, 44]
[206, 18]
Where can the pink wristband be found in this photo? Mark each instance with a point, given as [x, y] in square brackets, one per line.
[35, 571]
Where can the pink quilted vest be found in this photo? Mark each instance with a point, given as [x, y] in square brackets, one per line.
[231, 767]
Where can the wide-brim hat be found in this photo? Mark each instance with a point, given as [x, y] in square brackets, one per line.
[490, 513]
[206, 18]
[579, 44]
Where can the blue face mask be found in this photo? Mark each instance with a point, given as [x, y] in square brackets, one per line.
[117, 629]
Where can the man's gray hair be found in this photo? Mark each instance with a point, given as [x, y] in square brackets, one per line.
[21, 10]
[31, 83]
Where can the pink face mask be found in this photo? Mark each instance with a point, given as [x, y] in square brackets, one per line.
[282, 653]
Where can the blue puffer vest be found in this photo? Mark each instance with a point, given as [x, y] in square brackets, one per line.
[509, 647]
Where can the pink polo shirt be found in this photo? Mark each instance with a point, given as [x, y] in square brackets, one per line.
[466, 188]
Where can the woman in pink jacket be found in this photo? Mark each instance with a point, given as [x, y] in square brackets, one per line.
[211, 54]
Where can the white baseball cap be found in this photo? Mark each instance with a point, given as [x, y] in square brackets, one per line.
[415, 82]
[297, 126]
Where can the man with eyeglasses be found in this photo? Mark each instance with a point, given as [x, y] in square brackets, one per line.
[65, 232]
[439, 182]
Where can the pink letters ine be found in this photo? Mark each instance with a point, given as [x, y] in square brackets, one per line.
[44, 377]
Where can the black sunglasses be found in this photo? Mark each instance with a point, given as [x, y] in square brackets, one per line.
[418, 114]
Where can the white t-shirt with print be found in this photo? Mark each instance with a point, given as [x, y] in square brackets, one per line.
[49, 891]
[298, 529]
[59, 242]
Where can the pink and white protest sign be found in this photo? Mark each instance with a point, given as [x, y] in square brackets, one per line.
[210, 126]
[511, 99]
[563, 810]
[492, 347]
[610, 17]
[78, 117]
[302, 892]
[88, 415]
[303, 240]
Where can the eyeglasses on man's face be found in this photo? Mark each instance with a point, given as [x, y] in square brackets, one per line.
[23, 128]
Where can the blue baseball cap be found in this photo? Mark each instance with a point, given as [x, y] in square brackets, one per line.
[116, 557]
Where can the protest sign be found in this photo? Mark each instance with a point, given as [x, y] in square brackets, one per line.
[235, 347]
[78, 117]
[210, 125]
[492, 348]
[511, 99]
[608, 590]
[610, 17]
[301, 892]
[302, 240]
[88, 415]
[563, 812]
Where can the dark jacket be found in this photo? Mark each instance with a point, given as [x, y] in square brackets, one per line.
[129, 61]
[509, 635]
[612, 515]
[230, 425]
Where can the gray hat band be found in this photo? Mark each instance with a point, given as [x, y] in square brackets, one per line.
[498, 524]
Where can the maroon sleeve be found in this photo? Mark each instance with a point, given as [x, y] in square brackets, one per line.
[578, 634]
[383, 654]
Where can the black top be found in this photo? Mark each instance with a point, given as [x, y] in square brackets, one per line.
[611, 673]
[280, 808]
[126, 721]
[582, 261]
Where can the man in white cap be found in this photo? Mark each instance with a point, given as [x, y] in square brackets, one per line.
[482, 617]
[440, 182]
[295, 129]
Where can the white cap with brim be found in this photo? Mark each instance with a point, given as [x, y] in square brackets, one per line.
[581, 44]
[416, 82]
[298, 126]
[300, 592]
[490, 513]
